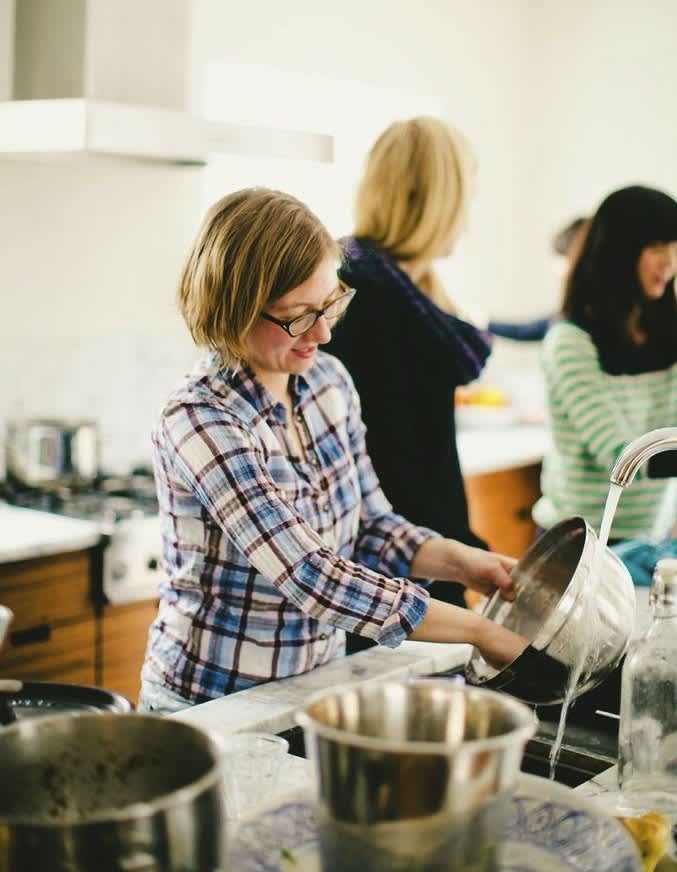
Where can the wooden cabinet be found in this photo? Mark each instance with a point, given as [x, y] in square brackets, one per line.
[58, 634]
[53, 635]
[123, 645]
[53, 652]
[500, 504]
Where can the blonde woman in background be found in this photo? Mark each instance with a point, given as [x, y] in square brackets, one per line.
[403, 346]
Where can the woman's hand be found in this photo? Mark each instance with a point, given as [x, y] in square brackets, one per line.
[480, 570]
[484, 571]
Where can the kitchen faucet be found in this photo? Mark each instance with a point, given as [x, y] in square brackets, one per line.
[639, 451]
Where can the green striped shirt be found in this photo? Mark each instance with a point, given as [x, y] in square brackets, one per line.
[592, 416]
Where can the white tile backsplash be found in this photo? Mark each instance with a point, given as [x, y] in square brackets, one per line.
[120, 381]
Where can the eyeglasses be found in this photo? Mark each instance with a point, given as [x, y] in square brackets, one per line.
[332, 312]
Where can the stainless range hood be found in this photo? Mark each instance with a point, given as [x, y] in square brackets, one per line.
[102, 77]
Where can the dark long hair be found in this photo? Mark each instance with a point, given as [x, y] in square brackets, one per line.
[603, 287]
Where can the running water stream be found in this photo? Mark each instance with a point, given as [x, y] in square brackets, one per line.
[588, 618]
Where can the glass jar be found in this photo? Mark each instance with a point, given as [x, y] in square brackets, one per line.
[647, 740]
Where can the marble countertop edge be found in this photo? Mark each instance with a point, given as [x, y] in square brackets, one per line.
[271, 707]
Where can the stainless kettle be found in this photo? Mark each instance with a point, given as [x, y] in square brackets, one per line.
[52, 452]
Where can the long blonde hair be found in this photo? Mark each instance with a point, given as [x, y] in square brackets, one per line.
[253, 247]
[414, 194]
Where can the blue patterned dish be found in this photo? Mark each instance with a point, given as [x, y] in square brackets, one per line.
[548, 827]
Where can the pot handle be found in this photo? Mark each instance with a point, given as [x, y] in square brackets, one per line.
[7, 687]
[6, 616]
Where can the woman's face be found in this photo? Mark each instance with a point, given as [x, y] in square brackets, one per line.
[656, 266]
[271, 352]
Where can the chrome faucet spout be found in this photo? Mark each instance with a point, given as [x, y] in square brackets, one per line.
[637, 452]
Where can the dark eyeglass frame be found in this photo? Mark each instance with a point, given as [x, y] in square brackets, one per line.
[288, 326]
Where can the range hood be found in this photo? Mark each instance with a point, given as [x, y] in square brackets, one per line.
[29, 128]
[115, 77]
[105, 78]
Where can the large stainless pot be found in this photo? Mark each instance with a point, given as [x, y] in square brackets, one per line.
[552, 610]
[52, 452]
[109, 792]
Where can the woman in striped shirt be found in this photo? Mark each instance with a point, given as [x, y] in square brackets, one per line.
[611, 367]
[276, 535]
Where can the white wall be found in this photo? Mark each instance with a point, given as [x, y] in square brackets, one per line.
[90, 251]
[89, 255]
[602, 95]
[6, 47]
[467, 55]
[562, 102]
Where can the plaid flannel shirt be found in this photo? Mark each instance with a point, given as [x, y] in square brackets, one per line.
[269, 558]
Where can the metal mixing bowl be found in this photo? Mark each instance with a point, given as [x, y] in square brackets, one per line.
[553, 610]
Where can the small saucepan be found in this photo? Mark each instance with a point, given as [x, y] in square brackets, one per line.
[49, 453]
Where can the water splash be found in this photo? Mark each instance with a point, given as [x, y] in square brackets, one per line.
[588, 619]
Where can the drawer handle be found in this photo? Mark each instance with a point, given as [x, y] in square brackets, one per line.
[40, 633]
[523, 514]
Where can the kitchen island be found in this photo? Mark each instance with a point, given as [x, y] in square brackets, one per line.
[51, 577]
[271, 707]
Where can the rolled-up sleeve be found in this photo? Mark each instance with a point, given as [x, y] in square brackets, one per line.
[218, 459]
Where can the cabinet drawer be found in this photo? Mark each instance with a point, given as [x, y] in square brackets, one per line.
[48, 590]
[123, 639]
[51, 653]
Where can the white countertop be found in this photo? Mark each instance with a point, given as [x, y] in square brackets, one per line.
[270, 707]
[25, 534]
[484, 450]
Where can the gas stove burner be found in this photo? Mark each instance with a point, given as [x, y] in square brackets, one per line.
[101, 507]
[135, 486]
[110, 500]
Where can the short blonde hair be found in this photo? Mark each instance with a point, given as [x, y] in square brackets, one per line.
[415, 190]
[253, 247]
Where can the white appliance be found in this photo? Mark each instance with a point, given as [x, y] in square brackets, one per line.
[132, 568]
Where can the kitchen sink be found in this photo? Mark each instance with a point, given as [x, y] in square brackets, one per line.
[590, 744]
[574, 766]
[583, 755]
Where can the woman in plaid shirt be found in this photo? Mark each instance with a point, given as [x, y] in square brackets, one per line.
[276, 535]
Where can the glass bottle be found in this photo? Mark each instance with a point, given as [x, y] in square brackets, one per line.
[647, 739]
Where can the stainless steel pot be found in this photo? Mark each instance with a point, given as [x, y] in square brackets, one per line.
[52, 452]
[109, 792]
[413, 774]
[552, 611]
